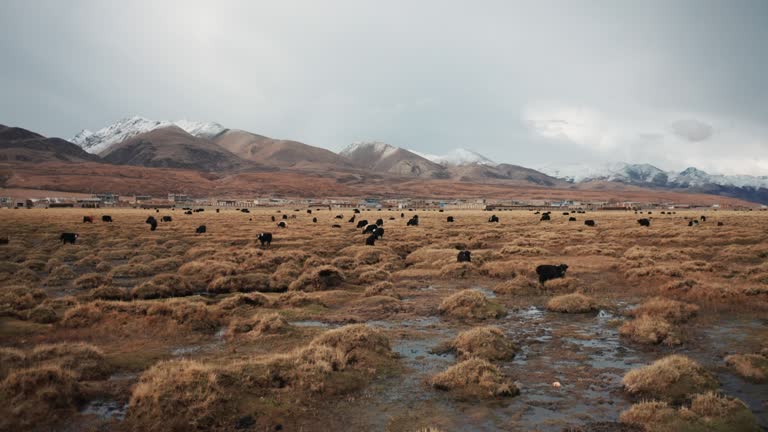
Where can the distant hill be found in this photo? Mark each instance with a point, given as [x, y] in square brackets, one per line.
[172, 147]
[279, 153]
[384, 158]
[21, 145]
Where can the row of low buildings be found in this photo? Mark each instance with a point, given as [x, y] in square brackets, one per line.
[184, 200]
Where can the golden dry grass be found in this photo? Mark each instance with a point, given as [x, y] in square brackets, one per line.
[672, 378]
[475, 378]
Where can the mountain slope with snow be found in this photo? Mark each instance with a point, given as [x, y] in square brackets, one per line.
[458, 157]
[100, 140]
[384, 158]
[649, 174]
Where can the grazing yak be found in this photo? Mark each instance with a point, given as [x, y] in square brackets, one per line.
[166, 219]
[87, 219]
[152, 223]
[644, 222]
[370, 240]
[703, 218]
[351, 220]
[245, 210]
[201, 229]
[4, 240]
[719, 224]
[544, 217]
[571, 219]
[281, 224]
[414, 221]
[106, 218]
[68, 238]
[566, 213]
[589, 222]
[309, 211]
[547, 271]
[265, 239]
[188, 212]
[450, 219]
[693, 222]
[402, 215]
[379, 222]
[314, 220]
[273, 218]
[464, 256]
[335, 226]
[362, 223]
[493, 219]
[285, 217]
[356, 210]
[370, 228]
[379, 233]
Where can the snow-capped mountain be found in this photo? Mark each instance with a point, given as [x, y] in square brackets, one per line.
[646, 174]
[458, 157]
[98, 141]
[384, 158]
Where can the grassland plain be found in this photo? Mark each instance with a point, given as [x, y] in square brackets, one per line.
[653, 328]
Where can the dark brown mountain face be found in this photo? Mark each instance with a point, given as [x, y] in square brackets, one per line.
[21, 145]
[384, 158]
[172, 147]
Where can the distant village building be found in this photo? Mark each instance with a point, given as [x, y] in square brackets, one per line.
[108, 198]
[179, 198]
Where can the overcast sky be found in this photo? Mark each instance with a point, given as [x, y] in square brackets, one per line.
[673, 83]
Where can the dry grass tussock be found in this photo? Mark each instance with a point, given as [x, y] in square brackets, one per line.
[193, 395]
[671, 310]
[475, 378]
[487, 343]
[318, 279]
[37, 396]
[470, 304]
[673, 378]
[240, 283]
[244, 300]
[162, 286]
[753, 367]
[259, 325]
[707, 412]
[651, 330]
[572, 303]
[385, 288]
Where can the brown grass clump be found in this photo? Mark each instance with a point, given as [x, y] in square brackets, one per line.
[162, 286]
[43, 314]
[385, 288]
[572, 303]
[500, 269]
[199, 274]
[517, 286]
[240, 300]
[487, 343]
[179, 395]
[240, 283]
[456, 270]
[753, 367]
[671, 310]
[373, 276]
[673, 378]
[131, 271]
[523, 250]
[298, 299]
[318, 279]
[85, 361]
[35, 396]
[475, 378]
[707, 412]
[11, 358]
[83, 315]
[60, 276]
[259, 325]
[92, 280]
[16, 299]
[358, 342]
[283, 276]
[108, 292]
[650, 330]
[470, 304]
[197, 316]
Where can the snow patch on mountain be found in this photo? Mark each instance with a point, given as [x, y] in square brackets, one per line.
[457, 157]
[100, 140]
[649, 174]
[382, 149]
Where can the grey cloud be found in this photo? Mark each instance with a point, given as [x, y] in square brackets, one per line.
[692, 130]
